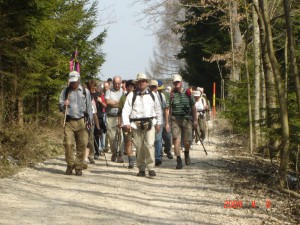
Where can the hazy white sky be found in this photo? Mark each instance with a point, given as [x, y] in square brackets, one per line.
[128, 46]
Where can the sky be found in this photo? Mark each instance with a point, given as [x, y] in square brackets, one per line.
[128, 46]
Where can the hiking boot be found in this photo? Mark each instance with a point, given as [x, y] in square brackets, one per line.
[187, 158]
[92, 161]
[158, 162]
[120, 159]
[78, 172]
[106, 149]
[141, 173]
[179, 163]
[85, 166]
[69, 170]
[96, 156]
[169, 155]
[114, 157]
[130, 163]
[152, 173]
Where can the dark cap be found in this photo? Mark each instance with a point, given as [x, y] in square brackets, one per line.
[109, 80]
[129, 82]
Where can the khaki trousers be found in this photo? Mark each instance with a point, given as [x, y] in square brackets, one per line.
[76, 135]
[144, 142]
[115, 136]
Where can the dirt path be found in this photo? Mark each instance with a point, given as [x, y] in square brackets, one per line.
[115, 195]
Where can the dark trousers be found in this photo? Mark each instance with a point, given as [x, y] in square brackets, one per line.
[167, 138]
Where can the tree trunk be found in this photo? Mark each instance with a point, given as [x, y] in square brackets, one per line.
[1, 96]
[284, 156]
[291, 47]
[20, 112]
[236, 42]
[257, 75]
[270, 90]
[263, 104]
[37, 111]
[13, 99]
[249, 101]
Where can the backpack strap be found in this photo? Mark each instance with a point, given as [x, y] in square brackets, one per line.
[187, 92]
[68, 90]
[135, 94]
[134, 97]
[160, 96]
[151, 94]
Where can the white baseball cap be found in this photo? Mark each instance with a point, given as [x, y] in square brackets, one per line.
[74, 76]
[197, 93]
[177, 77]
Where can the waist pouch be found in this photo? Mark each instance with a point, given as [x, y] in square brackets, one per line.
[68, 118]
[143, 123]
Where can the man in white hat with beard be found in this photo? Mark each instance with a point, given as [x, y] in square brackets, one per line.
[142, 115]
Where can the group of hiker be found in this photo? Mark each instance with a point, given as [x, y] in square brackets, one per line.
[121, 115]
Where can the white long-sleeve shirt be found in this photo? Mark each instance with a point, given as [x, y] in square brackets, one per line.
[143, 107]
[199, 106]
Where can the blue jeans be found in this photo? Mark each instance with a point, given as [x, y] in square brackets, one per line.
[158, 143]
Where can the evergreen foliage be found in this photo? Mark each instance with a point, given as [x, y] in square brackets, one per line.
[37, 42]
[202, 39]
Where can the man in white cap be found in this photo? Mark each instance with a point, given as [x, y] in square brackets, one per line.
[142, 115]
[181, 107]
[75, 101]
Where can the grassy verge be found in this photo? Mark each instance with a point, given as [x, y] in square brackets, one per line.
[22, 147]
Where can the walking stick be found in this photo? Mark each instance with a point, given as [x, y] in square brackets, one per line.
[66, 110]
[201, 141]
[207, 132]
[102, 151]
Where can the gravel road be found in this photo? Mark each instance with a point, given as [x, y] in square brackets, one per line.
[114, 194]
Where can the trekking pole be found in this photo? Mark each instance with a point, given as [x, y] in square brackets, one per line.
[66, 111]
[207, 132]
[201, 141]
[102, 151]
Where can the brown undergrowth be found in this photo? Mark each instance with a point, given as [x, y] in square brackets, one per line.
[21, 147]
[255, 179]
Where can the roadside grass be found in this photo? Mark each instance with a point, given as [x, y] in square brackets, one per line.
[22, 147]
